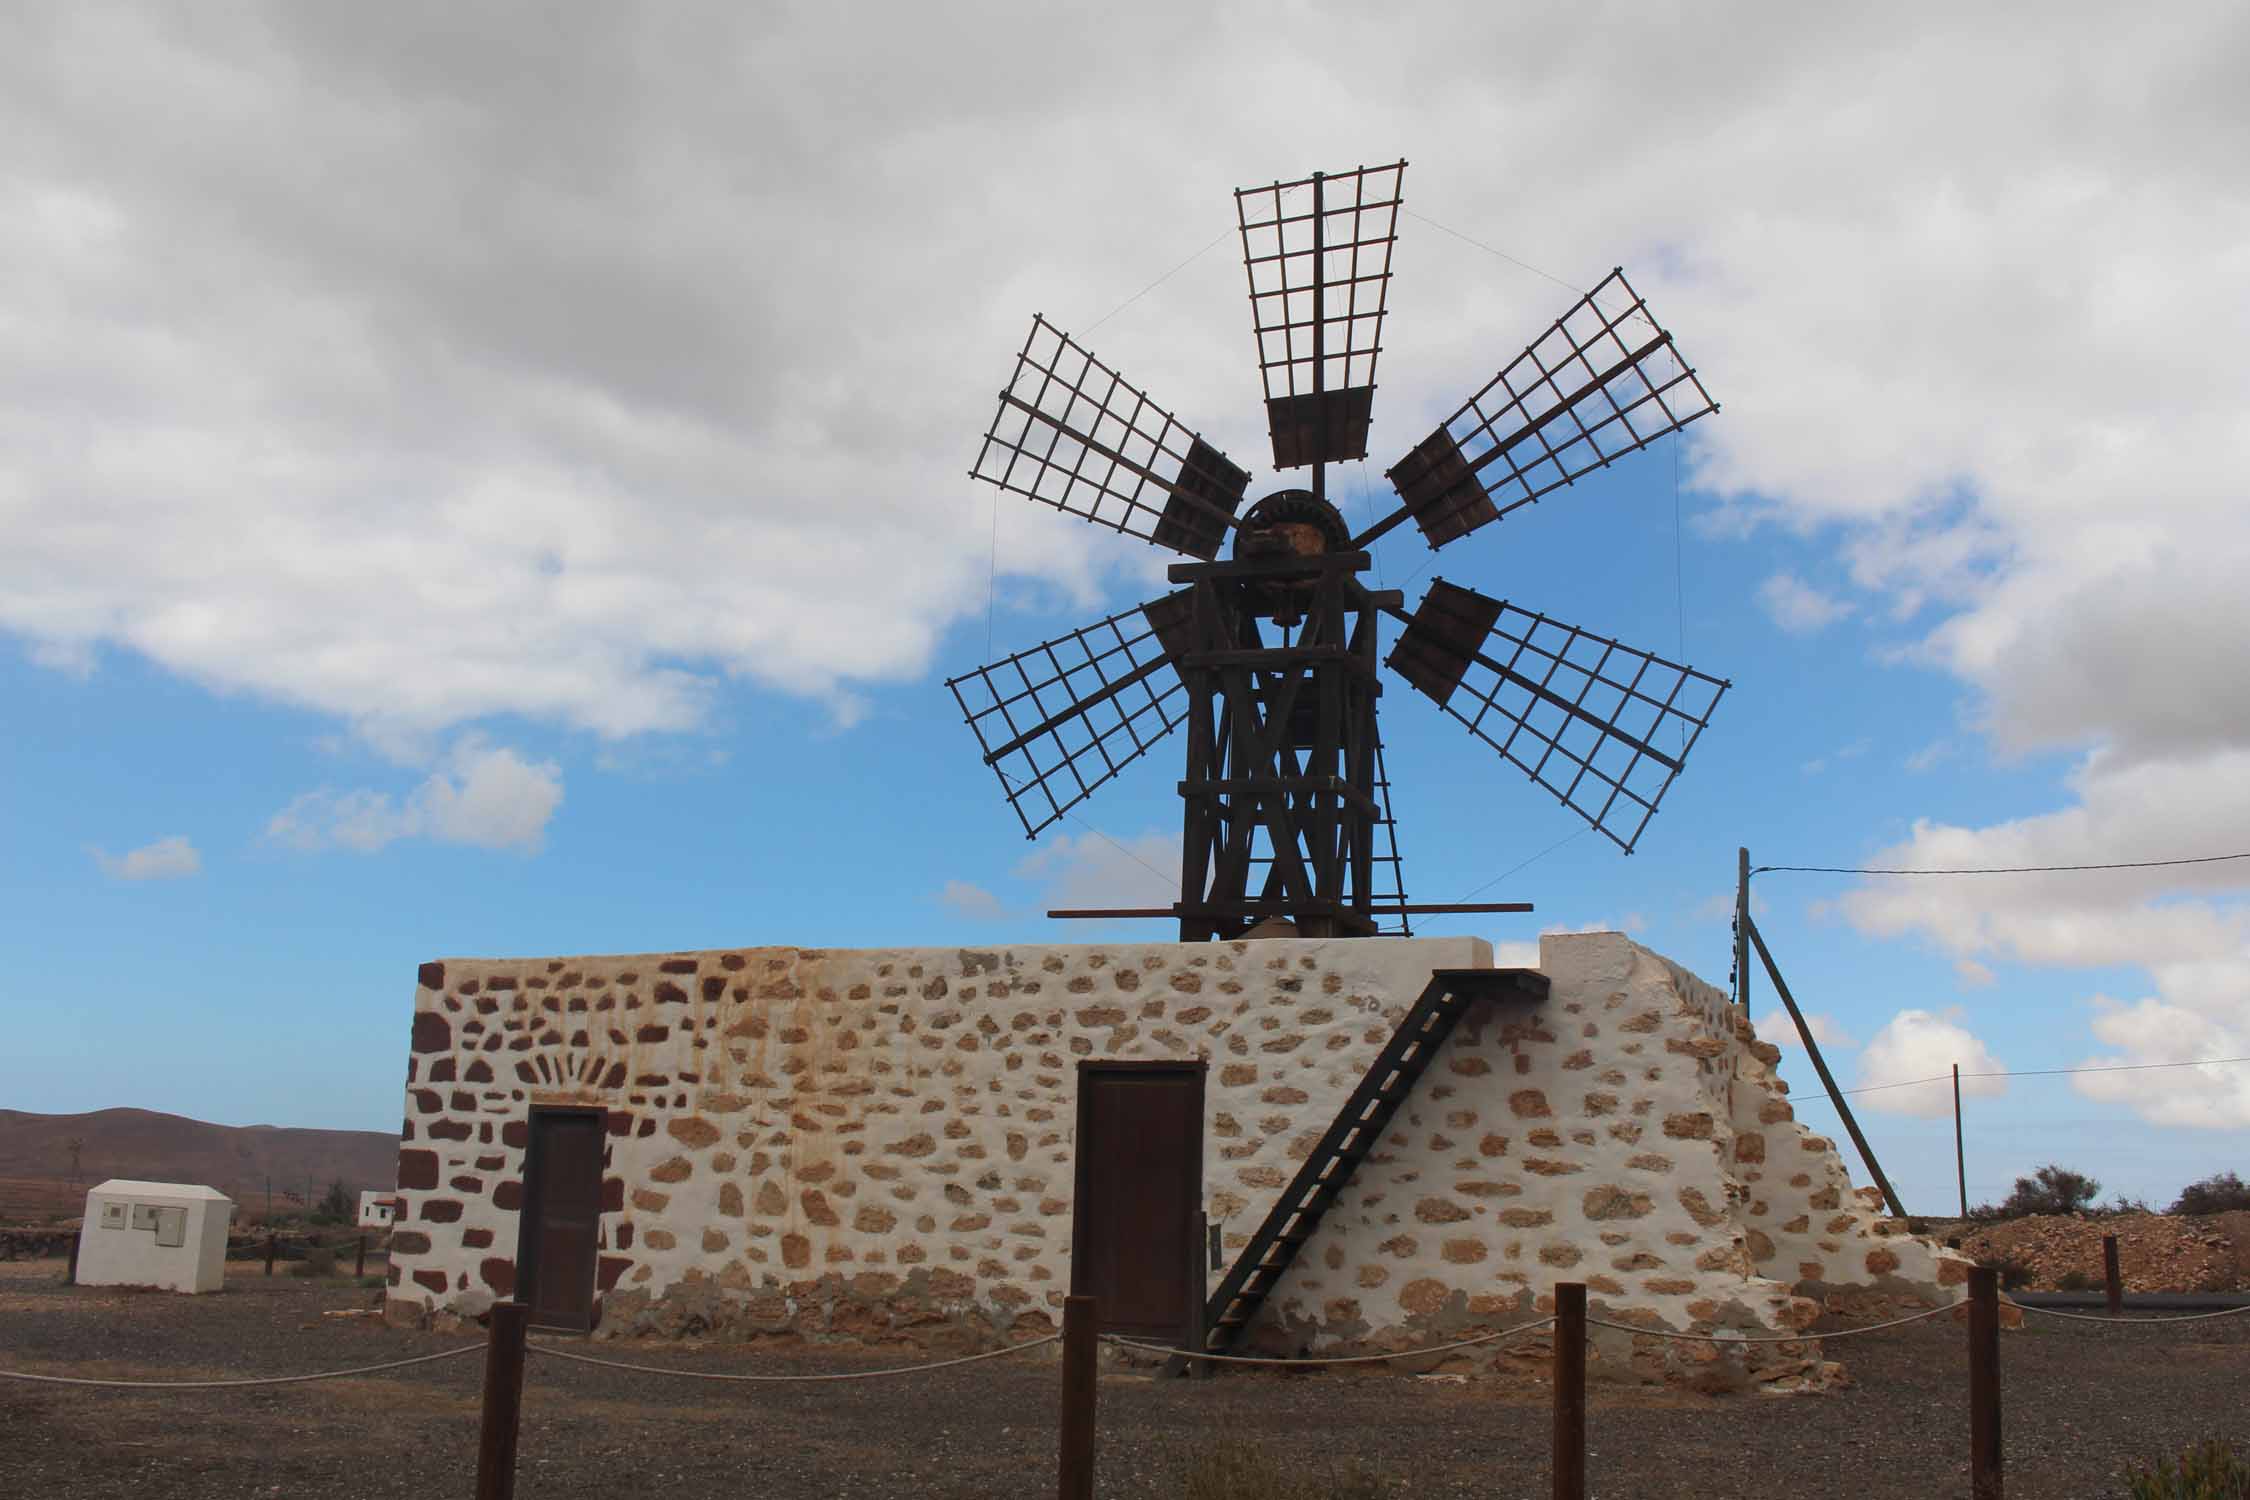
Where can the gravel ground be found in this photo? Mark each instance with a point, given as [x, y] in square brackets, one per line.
[2078, 1402]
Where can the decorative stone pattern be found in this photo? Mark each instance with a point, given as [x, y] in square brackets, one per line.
[876, 1144]
[868, 1143]
[1629, 1133]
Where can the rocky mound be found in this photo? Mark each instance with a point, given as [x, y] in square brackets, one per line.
[2156, 1252]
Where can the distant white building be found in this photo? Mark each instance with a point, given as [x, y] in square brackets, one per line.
[377, 1210]
[168, 1235]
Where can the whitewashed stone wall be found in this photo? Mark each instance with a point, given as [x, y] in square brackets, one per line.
[875, 1144]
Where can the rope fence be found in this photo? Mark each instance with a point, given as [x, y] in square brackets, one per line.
[1206, 1357]
[507, 1347]
[806, 1379]
[208, 1385]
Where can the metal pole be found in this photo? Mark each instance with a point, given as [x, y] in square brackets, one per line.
[1570, 1390]
[1984, 1384]
[1960, 1159]
[1075, 1466]
[1820, 1066]
[1742, 929]
[2113, 1280]
[503, 1402]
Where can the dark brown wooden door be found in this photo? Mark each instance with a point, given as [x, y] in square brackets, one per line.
[1139, 1195]
[562, 1209]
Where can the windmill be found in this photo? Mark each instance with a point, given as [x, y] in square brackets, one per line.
[1269, 656]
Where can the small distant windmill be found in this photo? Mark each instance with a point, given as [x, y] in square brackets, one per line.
[1269, 657]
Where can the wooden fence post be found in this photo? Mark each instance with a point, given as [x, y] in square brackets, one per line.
[2113, 1280]
[1984, 1384]
[1570, 1390]
[503, 1402]
[1075, 1468]
[359, 1266]
[70, 1277]
[269, 1252]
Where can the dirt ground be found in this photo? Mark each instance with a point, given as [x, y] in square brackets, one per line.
[2078, 1402]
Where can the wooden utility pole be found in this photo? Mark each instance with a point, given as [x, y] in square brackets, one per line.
[1820, 1066]
[1742, 929]
[1960, 1158]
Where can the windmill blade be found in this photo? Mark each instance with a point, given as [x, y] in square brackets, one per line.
[1057, 721]
[1318, 252]
[1071, 433]
[1603, 726]
[1603, 382]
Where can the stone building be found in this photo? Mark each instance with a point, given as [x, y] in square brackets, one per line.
[878, 1144]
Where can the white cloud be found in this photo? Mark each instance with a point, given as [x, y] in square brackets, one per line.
[1972, 974]
[484, 795]
[1797, 607]
[1776, 1027]
[166, 859]
[556, 402]
[1916, 1044]
[1091, 871]
[972, 901]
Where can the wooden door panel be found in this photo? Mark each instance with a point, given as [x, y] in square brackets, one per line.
[1139, 1193]
[562, 1217]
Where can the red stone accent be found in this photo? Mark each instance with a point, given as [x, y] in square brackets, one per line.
[508, 1195]
[406, 1130]
[428, 1101]
[498, 1274]
[433, 1280]
[504, 982]
[463, 1100]
[476, 1239]
[441, 1070]
[713, 988]
[668, 993]
[491, 1163]
[430, 976]
[652, 1033]
[441, 1210]
[730, 961]
[611, 1267]
[479, 1071]
[625, 1236]
[448, 1130]
[516, 1133]
[652, 1080]
[677, 966]
[467, 987]
[620, 1123]
[409, 1242]
[417, 1170]
[432, 1032]
[613, 1195]
[525, 1072]
[646, 1128]
[465, 1184]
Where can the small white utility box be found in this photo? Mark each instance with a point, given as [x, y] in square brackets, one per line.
[169, 1235]
[377, 1210]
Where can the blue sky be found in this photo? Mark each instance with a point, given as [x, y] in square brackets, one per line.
[556, 539]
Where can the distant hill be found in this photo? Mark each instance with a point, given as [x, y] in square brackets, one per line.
[235, 1159]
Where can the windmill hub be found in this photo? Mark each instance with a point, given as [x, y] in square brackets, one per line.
[1270, 658]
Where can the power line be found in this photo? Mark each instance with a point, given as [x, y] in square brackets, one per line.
[2136, 864]
[1907, 1083]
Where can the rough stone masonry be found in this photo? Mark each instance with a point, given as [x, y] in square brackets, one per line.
[875, 1145]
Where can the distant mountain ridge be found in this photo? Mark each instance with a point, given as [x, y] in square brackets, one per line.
[35, 1159]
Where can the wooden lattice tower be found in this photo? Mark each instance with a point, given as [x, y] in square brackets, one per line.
[1270, 656]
